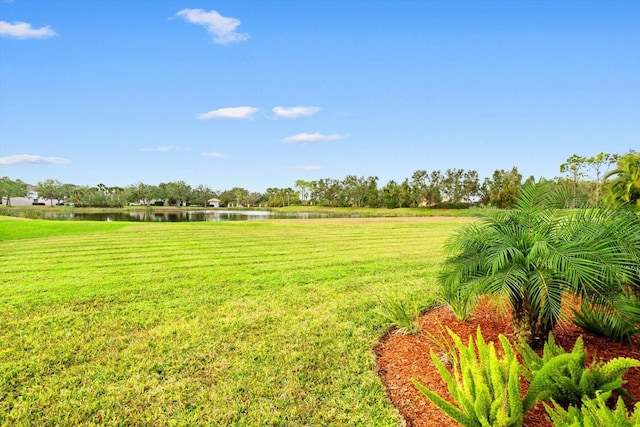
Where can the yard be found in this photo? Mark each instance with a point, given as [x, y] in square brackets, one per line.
[236, 323]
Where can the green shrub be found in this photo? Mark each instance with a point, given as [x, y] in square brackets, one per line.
[619, 320]
[563, 377]
[401, 313]
[594, 413]
[532, 362]
[485, 388]
[461, 299]
[536, 255]
[441, 340]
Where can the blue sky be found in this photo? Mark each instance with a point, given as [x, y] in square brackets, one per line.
[258, 94]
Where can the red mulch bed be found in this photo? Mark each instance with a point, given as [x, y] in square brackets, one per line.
[403, 357]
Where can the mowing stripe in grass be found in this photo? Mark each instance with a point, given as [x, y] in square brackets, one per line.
[205, 323]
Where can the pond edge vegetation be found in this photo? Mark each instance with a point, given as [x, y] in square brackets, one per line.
[533, 258]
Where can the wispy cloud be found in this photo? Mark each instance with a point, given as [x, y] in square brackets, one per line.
[245, 113]
[23, 30]
[29, 159]
[308, 168]
[165, 148]
[217, 155]
[311, 138]
[223, 28]
[293, 112]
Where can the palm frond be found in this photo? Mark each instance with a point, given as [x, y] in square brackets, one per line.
[536, 252]
[545, 296]
[618, 320]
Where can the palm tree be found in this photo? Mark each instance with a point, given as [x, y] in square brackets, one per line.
[534, 255]
[625, 188]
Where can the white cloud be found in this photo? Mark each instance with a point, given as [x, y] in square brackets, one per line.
[229, 113]
[221, 27]
[310, 138]
[308, 168]
[28, 159]
[218, 155]
[293, 112]
[23, 30]
[165, 148]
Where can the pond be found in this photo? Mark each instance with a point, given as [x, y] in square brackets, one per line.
[183, 216]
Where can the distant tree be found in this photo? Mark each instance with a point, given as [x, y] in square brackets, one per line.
[597, 163]
[452, 186]
[327, 192]
[77, 194]
[470, 185]
[573, 168]
[360, 191]
[10, 188]
[419, 187]
[372, 198]
[304, 190]
[404, 194]
[103, 189]
[284, 196]
[625, 187]
[434, 194]
[484, 192]
[348, 186]
[503, 188]
[67, 192]
[390, 195]
[354, 190]
[49, 189]
[256, 198]
[314, 192]
[178, 192]
[143, 193]
[161, 194]
[273, 196]
[115, 196]
[201, 195]
[239, 195]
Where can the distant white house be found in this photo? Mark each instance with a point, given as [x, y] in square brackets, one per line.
[18, 201]
[213, 203]
[22, 201]
[31, 199]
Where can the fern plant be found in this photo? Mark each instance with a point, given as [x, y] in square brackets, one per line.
[594, 413]
[532, 362]
[563, 377]
[485, 387]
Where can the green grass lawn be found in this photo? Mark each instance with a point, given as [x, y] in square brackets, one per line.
[228, 323]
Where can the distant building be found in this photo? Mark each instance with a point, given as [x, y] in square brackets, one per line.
[32, 196]
[213, 203]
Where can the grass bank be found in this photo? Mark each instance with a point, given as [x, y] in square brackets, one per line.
[376, 212]
[228, 323]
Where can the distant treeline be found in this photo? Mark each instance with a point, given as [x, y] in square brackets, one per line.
[610, 178]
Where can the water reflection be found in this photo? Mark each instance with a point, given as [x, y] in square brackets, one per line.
[183, 216]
